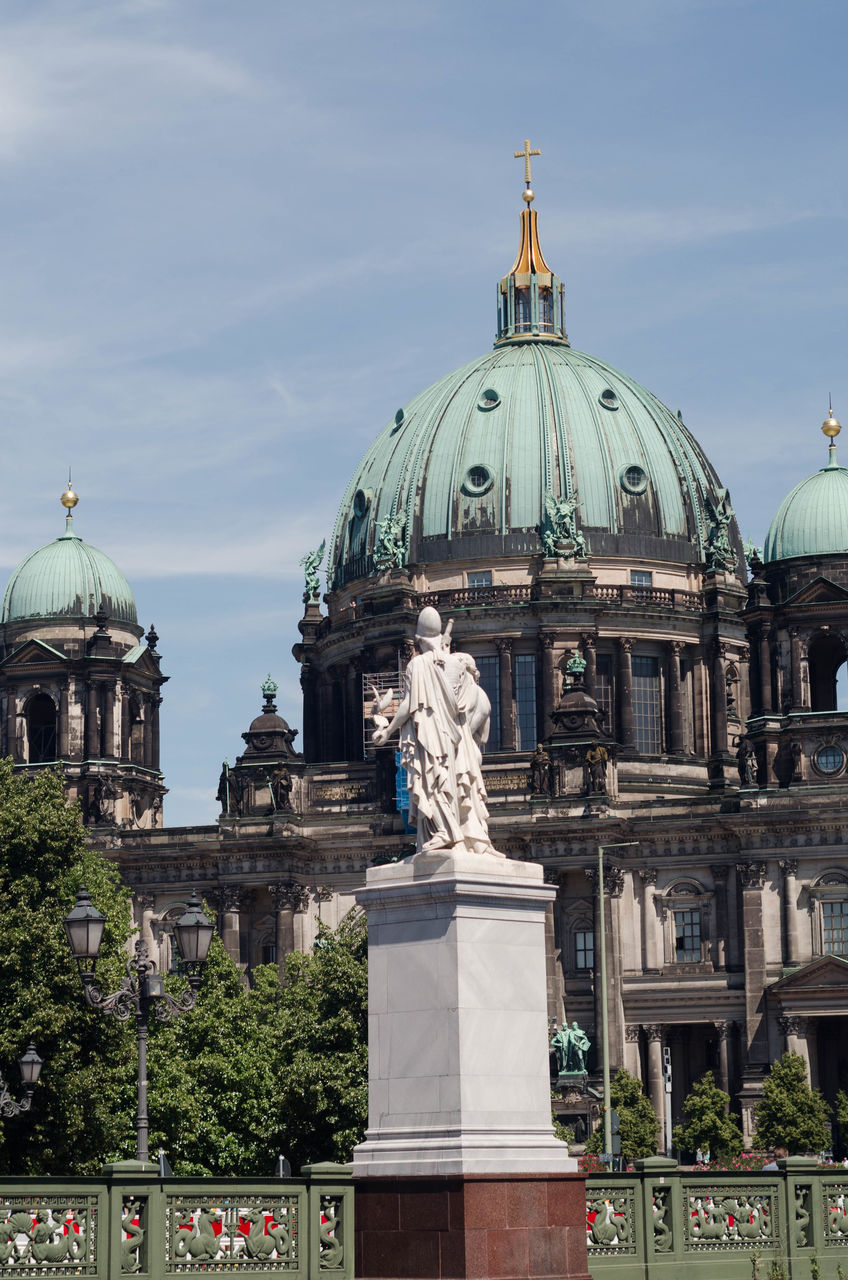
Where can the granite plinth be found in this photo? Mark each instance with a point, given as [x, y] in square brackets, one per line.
[458, 1033]
[519, 1227]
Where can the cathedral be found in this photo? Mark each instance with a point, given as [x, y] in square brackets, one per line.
[657, 689]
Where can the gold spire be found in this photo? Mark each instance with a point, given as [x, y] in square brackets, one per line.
[69, 499]
[528, 193]
[831, 426]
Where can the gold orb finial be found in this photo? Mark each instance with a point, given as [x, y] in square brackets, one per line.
[529, 195]
[831, 426]
[69, 499]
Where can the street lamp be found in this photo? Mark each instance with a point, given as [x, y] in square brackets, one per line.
[30, 1067]
[143, 989]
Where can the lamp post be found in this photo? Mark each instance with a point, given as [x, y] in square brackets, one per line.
[143, 989]
[30, 1067]
[622, 844]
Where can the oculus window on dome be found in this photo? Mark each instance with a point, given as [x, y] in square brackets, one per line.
[489, 399]
[829, 760]
[608, 399]
[633, 479]
[400, 419]
[478, 480]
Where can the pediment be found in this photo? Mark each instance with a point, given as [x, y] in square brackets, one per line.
[140, 660]
[819, 591]
[33, 653]
[826, 972]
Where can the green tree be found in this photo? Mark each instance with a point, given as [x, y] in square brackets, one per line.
[323, 1045]
[790, 1114]
[82, 1110]
[708, 1126]
[638, 1124]
[270, 1069]
[841, 1110]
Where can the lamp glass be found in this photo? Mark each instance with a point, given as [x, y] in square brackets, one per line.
[30, 1066]
[84, 925]
[193, 932]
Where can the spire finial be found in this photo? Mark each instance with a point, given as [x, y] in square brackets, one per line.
[528, 194]
[831, 427]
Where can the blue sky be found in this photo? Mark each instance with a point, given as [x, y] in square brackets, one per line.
[235, 238]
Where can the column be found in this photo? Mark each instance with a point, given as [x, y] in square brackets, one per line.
[625, 691]
[281, 896]
[146, 904]
[723, 1032]
[631, 1051]
[791, 941]
[507, 703]
[155, 704]
[765, 671]
[649, 921]
[718, 699]
[752, 880]
[108, 694]
[353, 711]
[795, 1031]
[126, 722]
[310, 713]
[324, 697]
[231, 921]
[548, 685]
[675, 700]
[92, 728]
[11, 725]
[795, 662]
[590, 654]
[64, 726]
[148, 732]
[719, 875]
[656, 1083]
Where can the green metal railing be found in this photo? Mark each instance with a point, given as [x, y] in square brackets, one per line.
[132, 1223]
[662, 1221]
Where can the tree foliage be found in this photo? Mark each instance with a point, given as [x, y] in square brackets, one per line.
[790, 1114]
[708, 1125]
[82, 1109]
[638, 1124]
[257, 1071]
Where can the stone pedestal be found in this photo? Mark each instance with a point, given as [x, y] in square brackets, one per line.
[472, 1228]
[460, 1174]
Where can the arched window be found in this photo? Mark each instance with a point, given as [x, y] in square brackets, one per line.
[825, 656]
[41, 729]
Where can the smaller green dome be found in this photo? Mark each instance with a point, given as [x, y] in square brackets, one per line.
[812, 520]
[67, 579]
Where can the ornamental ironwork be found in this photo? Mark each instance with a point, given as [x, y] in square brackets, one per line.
[610, 1221]
[56, 1235]
[257, 1233]
[718, 1218]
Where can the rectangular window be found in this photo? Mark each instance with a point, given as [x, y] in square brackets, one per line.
[479, 578]
[525, 700]
[584, 948]
[490, 680]
[641, 578]
[269, 953]
[835, 927]
[647, 710]
[687, 936]
[604, 690]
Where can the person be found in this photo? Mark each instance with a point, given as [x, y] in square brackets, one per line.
[443, 720]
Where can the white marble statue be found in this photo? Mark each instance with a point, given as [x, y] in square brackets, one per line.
[443, 720]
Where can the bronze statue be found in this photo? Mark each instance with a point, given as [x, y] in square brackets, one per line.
[595, 769]
[541, 772]
[570, 1044]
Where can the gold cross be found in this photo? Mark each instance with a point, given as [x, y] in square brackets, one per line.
[526, 153]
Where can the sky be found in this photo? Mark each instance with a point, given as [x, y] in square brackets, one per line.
[234, 238]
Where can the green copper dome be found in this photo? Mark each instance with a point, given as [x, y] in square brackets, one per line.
[463, 470]
[812, 519]
[67, 579]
